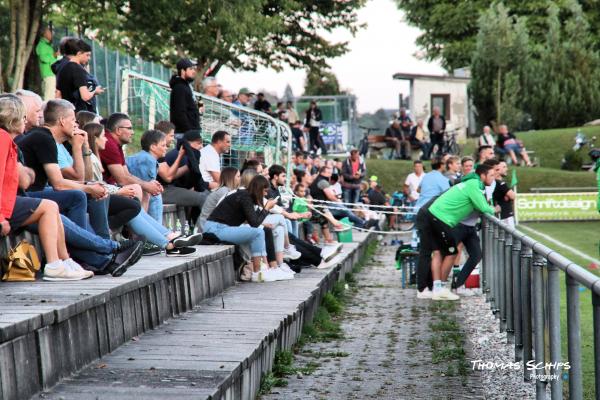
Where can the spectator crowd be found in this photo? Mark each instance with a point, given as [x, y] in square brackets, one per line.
[65, 175]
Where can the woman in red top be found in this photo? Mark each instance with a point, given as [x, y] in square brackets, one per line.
[17, 211]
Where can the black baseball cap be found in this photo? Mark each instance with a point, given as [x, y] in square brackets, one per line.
[185, 63]
[193, 135]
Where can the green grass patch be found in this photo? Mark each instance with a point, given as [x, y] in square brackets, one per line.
[447, 342]
[324, 327]
[392, 174]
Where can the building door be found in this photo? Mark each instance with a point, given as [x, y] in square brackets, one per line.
[443, 102]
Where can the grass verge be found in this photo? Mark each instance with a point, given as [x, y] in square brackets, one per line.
[324, 327]
[447, 343]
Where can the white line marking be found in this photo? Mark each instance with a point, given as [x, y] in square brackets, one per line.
[564, 246]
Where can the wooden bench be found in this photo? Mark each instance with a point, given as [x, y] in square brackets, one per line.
[377, 145]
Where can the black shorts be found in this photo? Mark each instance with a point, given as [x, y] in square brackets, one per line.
[440, 234]
[24, 207]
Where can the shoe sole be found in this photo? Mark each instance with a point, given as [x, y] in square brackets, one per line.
[132, 259]
[153, 253]
[47, 278]
[180, 255]
[289, 257]
[444, 299]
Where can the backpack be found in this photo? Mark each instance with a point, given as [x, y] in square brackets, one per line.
[21, 264]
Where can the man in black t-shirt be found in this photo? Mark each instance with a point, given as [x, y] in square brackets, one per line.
[73, 82]
[504, 196]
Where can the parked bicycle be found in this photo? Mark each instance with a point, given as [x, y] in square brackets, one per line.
[450, 143]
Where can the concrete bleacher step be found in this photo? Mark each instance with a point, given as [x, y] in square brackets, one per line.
[218, 350]
[49, 330]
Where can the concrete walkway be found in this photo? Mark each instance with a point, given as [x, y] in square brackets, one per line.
[386, 353]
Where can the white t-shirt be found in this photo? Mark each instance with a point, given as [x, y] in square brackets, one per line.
[209, 161]
[413, 182]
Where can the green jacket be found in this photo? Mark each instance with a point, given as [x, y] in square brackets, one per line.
[45, 54]
[461, 200]
[300, 206]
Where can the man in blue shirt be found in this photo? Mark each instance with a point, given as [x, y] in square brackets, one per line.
[434, 183]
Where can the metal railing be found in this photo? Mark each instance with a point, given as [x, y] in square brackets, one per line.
[146, 100]
[521, 280]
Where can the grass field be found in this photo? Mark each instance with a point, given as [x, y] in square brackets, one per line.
[583, 236]
[391, 174]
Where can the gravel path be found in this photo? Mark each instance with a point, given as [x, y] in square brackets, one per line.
[386, 353]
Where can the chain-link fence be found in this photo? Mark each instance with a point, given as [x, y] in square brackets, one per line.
[253, 134]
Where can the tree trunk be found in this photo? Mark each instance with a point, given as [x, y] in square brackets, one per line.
[24, 25]
[498, 98]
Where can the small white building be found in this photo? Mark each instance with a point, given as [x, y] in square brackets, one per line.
[448, 92]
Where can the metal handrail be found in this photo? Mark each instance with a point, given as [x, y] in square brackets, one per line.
[284, 132]
[520, 278]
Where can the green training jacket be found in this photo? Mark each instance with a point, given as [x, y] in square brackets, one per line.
[461, 200]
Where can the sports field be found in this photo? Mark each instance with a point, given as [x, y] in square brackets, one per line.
[583, 238]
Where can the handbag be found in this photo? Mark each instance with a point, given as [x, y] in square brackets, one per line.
[21, 264]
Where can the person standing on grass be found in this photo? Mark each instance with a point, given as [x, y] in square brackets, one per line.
[436, 126]
[353, 172]
[47, 57]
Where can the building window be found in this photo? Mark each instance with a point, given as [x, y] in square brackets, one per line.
[443, 102]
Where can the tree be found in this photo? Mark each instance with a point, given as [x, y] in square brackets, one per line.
[450, 27]
[242, 34]
[565, 87]
[499, 66]
[23, 26]
[321, 83]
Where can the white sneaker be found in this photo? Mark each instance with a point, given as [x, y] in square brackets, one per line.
[291, 253]
[444, 294]
[286, 268]
[463, 291]
[62, 273]
[280, 275]
[425, 294]
[74, 266]
[328, 264]
[328, 252]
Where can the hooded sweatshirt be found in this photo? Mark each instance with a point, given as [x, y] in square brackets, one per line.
[461, 200]
[184, 110]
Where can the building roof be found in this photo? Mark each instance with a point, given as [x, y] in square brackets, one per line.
[409, 76]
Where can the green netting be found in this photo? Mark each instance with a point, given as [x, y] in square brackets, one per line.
[253, 134]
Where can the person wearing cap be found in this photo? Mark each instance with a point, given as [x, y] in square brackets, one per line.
[262, 104]
[185, 114]
[246, 133]
[353, 171]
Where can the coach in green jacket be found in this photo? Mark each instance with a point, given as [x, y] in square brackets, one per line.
[47, 57]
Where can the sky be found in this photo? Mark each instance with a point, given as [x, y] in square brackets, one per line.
[384, 47]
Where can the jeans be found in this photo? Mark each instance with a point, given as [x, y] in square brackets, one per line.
[155, 208]
[239, 235]
[341, 212]
[75, 205]
[439, 140]
[71, 203]
[468, 236]
[292, 227]
[86, 247]
[280, 230]
[351, 195]
[146, 226]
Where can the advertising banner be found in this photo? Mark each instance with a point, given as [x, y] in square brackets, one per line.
[556, 207]
[331, 132]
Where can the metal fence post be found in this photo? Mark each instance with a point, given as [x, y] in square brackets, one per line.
[539, 323]
[596, 308]
[517, 300]
[554, 331]
[508, 286]
[574, 339]
[501, 280]
[526, 255]
[495, 273]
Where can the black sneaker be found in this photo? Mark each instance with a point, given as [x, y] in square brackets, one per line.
[125, 245]
[125, 259]
[186, 241]
[151, 249]
[180, 251]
